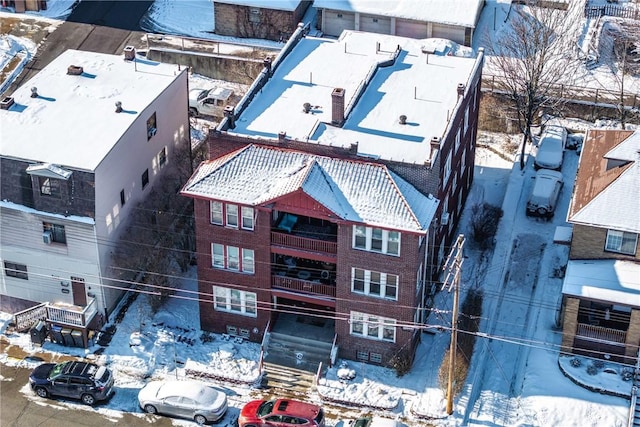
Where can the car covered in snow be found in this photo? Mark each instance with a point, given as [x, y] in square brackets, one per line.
[373, 421]
[209, 102]
[550, 150]
[545, 193]
[184, 399]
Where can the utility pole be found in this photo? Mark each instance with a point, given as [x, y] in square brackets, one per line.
[453, 267]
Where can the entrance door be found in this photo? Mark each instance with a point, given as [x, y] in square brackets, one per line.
[79, 292]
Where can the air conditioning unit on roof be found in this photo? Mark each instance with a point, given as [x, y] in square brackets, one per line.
[46, 237]
[444, 220]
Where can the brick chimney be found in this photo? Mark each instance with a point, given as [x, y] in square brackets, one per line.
[460, 90]
[337, 106]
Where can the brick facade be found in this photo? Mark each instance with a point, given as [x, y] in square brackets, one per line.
[569, 324]
[254, 22]
[589, 243]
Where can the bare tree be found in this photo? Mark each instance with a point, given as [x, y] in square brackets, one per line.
[530, 60]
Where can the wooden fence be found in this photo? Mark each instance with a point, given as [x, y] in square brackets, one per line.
[611, 9]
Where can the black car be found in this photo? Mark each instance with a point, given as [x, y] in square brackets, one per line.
[79, 380]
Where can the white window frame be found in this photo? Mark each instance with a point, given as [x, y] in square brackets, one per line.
[447, 169]
[366, 276]
[616, 240]
[224, 300]
[387, 237]
[466, 119]
[372, 327]
[232, 258]
[231, 213]
[216, 210]
[247, 217]
[458, 139]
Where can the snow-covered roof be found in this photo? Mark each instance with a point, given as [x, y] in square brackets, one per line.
[353, 190]
[287, 5]
[421, 86]
[454, 12]
[608, 176]
[22, 208]
[72, 122]
[614, 281]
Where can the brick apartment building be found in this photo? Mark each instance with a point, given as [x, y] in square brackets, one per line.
[408, 106]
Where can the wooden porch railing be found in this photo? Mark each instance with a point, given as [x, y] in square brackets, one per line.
[72, 315]
[599, 333]
[304, 243]
[303, 286]
[25, 319]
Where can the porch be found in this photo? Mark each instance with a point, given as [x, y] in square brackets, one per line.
[305, 233]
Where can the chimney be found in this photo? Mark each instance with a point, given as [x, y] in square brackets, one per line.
[118, 107]
[435, 143]
[229, 114]
[129, 53]
[337, 106]
[6, 103]
[74, 70]
[282, 135]
[402, 119]
[460, 90]
[267, 64]
[34, 92]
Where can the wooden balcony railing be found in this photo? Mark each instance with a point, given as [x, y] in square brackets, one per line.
[304, 286]
[304, 243]
[25, 319]
[598, 333]
[72, 315]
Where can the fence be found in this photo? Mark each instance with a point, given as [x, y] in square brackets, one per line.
[576, 94]
[610, 9]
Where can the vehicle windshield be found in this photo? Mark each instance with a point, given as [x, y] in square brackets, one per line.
[56, 370]
[203, 94]
[266, 407]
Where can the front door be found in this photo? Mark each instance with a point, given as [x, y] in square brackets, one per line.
[79, 292]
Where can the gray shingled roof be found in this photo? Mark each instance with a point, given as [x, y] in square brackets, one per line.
[356, 191]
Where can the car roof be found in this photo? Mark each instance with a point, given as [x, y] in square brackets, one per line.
[81, 369]
[194, 390]
[295, 407]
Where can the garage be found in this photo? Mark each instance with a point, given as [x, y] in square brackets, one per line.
[333, 22]
[413, 29]
[455, 34]
[375, 24]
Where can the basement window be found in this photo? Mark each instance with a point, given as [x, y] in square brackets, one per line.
[254, 15]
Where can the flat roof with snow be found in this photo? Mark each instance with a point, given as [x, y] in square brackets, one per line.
[614, 281]
[420, 83]
[72, 121]
[287, 5]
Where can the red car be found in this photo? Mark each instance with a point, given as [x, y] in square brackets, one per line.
[282, 413]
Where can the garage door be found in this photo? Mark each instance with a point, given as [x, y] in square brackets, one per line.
[447, 32]
[375, 24]
[336, 22]
[413, 29]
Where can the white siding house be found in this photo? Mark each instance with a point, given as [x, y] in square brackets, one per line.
[82, 143]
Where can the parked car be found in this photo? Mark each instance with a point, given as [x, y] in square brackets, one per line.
[281, 412]
[550, 151]
[79, 380]
[184, 399]
[372, 422]
[209, 102]
[545, 193]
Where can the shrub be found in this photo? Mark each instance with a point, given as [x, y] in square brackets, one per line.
[575, 362]
[592, 369]
[484, 224]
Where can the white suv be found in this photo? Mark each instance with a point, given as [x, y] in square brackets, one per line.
[545, 193]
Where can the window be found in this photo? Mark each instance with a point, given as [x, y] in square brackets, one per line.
[447, 169]
[622, 242]
[235, 301]
[228, 258]
[216, 213]
[232, 215]
[122, 198]
[151, 126]
[247, 218]
[458, 140]
[145, 178]
[375, 284]
[463, 160]
[49, 186]
[57, 232]
[16, 270]
[466, 119]
[162, 157]
[254, 15]
[372, 327]
[375, 20]
[376, 240]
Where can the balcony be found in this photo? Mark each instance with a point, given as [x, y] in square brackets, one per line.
[60, 313]
[305, 233]
[301, 285]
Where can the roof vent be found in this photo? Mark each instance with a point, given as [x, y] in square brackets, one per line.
[118, 107]
[6, 103]
[74, 70]
[460, 89]
[402, 119]
[129, 53]
[306, 107]
[34, 92]
[230, 115]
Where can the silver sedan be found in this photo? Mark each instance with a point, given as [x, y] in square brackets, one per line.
[184, 399]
